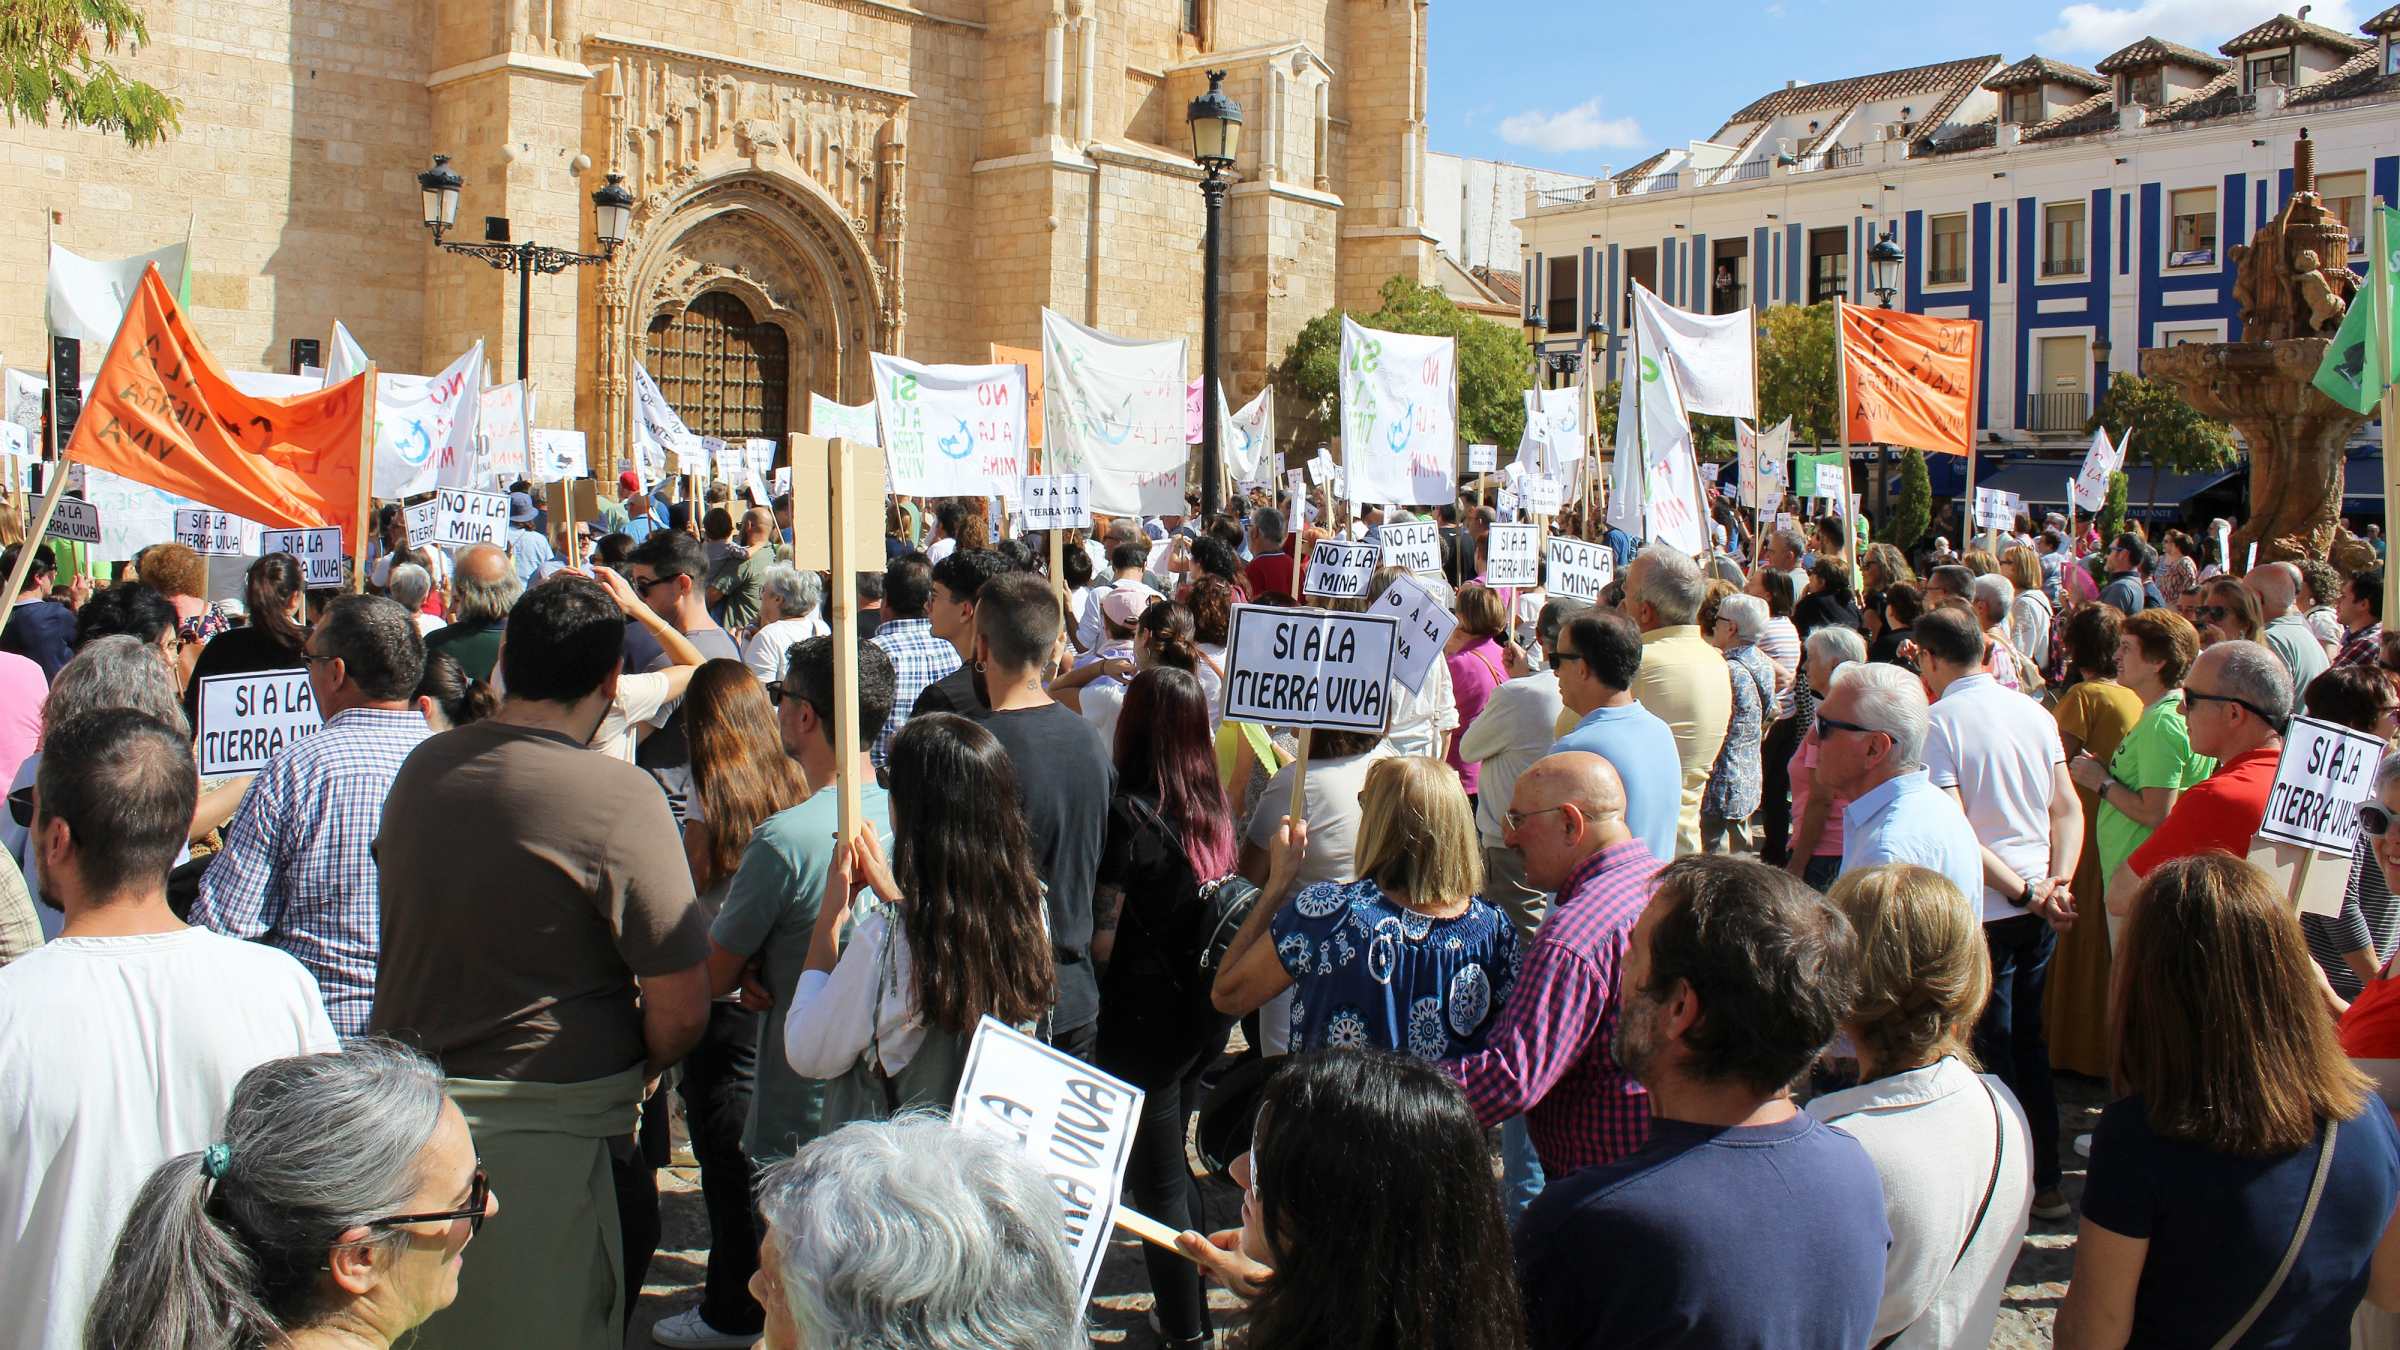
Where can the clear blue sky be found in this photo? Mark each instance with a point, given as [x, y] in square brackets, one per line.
[1578, 85]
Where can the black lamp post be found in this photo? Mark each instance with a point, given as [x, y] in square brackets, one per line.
[612, 211]
[1884, 259]
[1216, 133]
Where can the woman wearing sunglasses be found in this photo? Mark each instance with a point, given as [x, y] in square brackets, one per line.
[335, 1211]
[2227, 613]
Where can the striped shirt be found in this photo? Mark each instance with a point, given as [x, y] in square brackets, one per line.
[298, 869]
[918, 659]
[1781, 644]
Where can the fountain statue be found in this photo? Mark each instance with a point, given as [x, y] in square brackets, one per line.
[2293, 288]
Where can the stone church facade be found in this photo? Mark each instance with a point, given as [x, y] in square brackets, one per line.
[814, 179]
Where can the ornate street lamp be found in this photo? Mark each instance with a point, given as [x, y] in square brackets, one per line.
[1216, 135]
[1884, 260]
[612, 219]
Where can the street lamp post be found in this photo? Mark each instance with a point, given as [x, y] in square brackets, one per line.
[1216, 133]
[612, 211]
[1884, 259]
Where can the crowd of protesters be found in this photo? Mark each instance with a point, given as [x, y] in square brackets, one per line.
[1690, 967]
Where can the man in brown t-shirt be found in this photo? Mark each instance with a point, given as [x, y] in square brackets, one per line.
[542, 941]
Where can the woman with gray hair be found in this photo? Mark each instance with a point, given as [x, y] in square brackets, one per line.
[411, 585]
[787, 616]
[914, 1232]
[335, 1210]
[1734, 785]
[1817, 816]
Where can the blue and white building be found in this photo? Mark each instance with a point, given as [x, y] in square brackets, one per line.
[2081, 214]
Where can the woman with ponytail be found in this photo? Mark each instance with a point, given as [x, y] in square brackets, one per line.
[274, 594]
[1163, 638]
[335, 1211]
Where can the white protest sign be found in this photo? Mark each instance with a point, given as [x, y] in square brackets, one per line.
[424, 522]
[2088, 489]
[462, 518]
[1483, 458]
[1275, 468]
[1399, 394]
[728, 462]
[761, 453]
[1415, 545]
[212, 534]
[1055, 502]
[76, 522]
[1994, 509]
[1071, 1121]
[1508, 502]
[1578, 570]
[950, 431]
[690, 451]
[1425, 628]
[558, 455]
[14, 443]
[1785, 520]
[1833, 482]
[1320, 469]
[245, 719]
[1337, 569]
[1512, 555]
[506, 414]
[842, 421]
[319, 553]
[1543, 496]
[783, 480]
[757, 488]
[1309, 668]
[2324, 773]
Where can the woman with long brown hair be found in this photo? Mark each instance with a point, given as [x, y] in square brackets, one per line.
[740, 774]
[891, 1028]
[2243, 1187]
[2226, 610]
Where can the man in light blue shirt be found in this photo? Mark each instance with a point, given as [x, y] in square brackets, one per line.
[1597, 654]
[1871, 732]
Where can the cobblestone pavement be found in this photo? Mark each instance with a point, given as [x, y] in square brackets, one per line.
[1121, 1305]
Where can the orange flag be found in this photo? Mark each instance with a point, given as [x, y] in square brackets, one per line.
[164, 413]
[1031, 359]
[1910, 379]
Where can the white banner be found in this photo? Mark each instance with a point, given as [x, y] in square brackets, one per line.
[1670, 473]
[318, 551]
[462, 518]
[851, 422]
[657, 427]
[27, 396]
[558, 455]
[1338, 570]
[425, 428]
[1709, 354]
[1244, 436]
[507, 414]
[1415, 545]
[1425, 628]
[1113, 410]
[1055, 502]
[1309, 668]
[1578, 570]
[951, 431]
[2103, 459]
[1513, 555]
[245, 719]
[1399, 416]
[88, 295]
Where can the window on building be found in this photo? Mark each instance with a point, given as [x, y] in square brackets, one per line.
[1828, 265]
[1729, 277]
[2273, 68]
[2193, 242]
[2147, 87]
[1946, 260]
[1559, 295]
[2062, 239]
[1191, 16]
[2345, 195]
[2391, 56]
[2024, 106]
[2182, 337]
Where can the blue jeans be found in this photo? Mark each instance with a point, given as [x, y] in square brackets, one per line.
[1520, 1169]
[2009, 1039]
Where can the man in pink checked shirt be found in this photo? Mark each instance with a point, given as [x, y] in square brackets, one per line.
[1546, 1059]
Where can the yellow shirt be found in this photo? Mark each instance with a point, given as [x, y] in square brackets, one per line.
[1684, 683]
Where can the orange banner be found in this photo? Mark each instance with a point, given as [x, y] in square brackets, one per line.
[164, 413]
[1031, 359]
[1910, 379]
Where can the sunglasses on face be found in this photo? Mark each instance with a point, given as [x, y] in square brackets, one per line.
[20, 806]
[2191, 695]
[1826, 726]
[2212, 613]
[479, 1194]
[2373, 820]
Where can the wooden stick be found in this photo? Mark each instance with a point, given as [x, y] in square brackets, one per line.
[1299, 809]
[35, 529]
[845, 637]
[1147, 1229]
[366, 482]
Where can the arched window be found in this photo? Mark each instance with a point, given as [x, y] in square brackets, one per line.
[726, 373]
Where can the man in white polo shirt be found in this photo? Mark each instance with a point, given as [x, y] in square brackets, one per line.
[1998, 752]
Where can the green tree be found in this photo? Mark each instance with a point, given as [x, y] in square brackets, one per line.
[1495, 366]
[50, 65]
[2112, 511]
[1795, 371]
[1604, 421]
[2167, 432]
[1912, 510]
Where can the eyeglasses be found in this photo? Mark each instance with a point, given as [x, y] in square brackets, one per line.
[1827, 726]
[2373, 820]
[1561, 658]
[2212, 613]
[775, 692]
[2191, 695]
[643, 587]
[479, 1195]
[20, 805]
[1515, 820]
[308, 657]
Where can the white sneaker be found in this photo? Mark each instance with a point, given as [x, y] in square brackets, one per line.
[2083, 1145]
[687, 1330]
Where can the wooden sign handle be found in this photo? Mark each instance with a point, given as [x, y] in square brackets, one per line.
[844, 584]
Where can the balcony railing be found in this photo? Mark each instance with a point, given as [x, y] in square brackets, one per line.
[1563, 196]
[1839, 157]
[2057, 412]
[1744, 171]
[1657, 182]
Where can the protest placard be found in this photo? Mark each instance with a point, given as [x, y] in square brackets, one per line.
[1337, 569]
[462, 518]
[245, 719]
[1074, 1123]
[1425, 626]
[1543, 496]
[1507, 502]
[1512, 555]
[319, 553]
[1833, 482]
[212, 534]
[1055, 502]
[1309, 668]
[1483, 458]
[1996, 510]
[1415, 545]
[424, 522]
[1578, 570]
[727, 461]
[690, 451]
[2325, 771]
[1320, 470]
[74, 521]
[558, 454]
[760, 451]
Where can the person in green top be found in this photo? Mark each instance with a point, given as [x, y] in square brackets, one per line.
[2155, 762]
[733, 584]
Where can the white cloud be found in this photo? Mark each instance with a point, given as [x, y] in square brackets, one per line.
[1578, 128]
[2100, 29]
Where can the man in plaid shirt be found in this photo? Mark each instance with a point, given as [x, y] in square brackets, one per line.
[1546, 1057]
[918, 657]
[2359, 606]
[298, 869]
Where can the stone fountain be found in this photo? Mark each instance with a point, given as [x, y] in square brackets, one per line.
[2293, 284]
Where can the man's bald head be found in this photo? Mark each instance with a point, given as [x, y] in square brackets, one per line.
[482, 563]
[1575, 778]
[484, 585]
[2277, 586]
[1564, 809]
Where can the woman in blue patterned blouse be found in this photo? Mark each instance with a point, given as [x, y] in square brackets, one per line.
[1406, 957]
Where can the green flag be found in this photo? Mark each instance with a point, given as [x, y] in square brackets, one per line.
[2364, 359]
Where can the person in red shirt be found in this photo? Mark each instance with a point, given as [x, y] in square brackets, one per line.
[2235, 704]
[1270, 568]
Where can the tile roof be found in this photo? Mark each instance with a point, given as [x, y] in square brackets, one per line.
[2043, 70]
[1981, 135]
[2283, 30]
[2357, 77]
[2220, 97]
[2097, 113]
[1942, 77]
[1639, 171]
[1507, 285]
[2152, 51]
[2386, 22]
